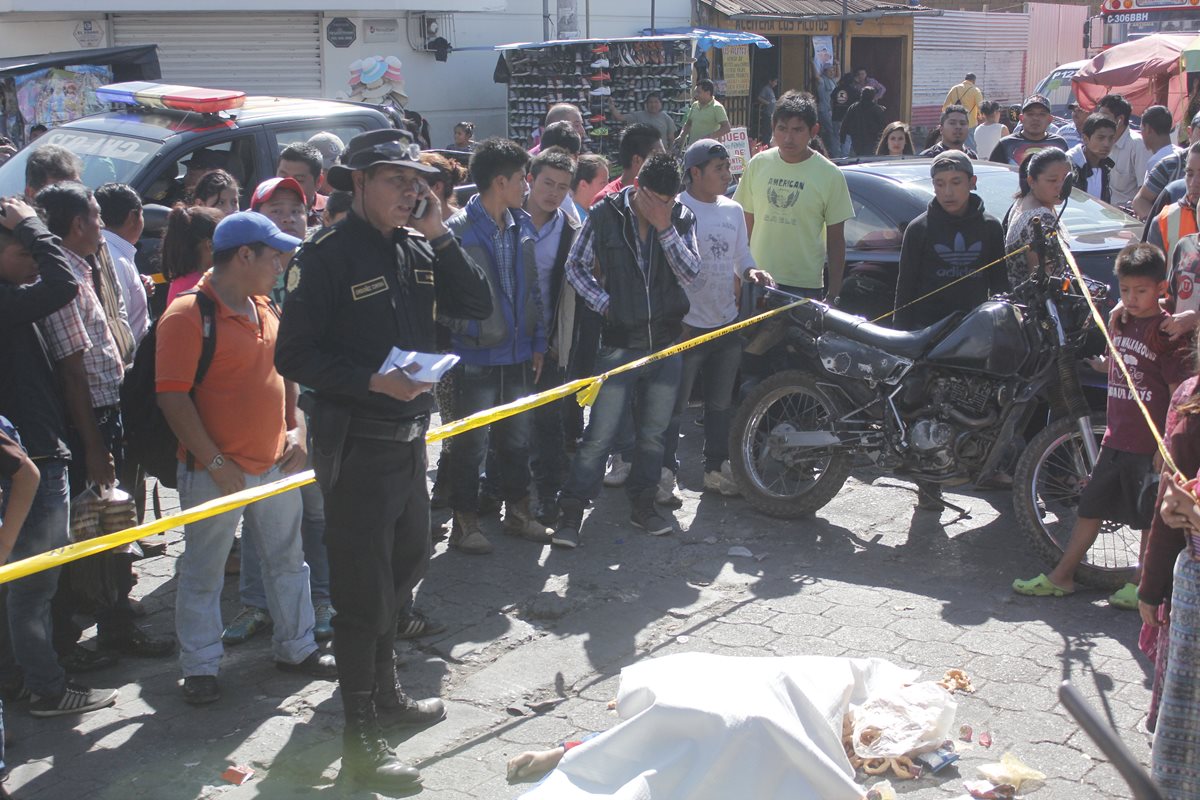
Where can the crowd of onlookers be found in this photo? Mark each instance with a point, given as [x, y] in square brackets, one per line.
[588, 270]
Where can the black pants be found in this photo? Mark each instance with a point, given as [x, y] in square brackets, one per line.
[548, 456]
[113, 620]
[377, 535]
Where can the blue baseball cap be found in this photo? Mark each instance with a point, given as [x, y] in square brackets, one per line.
[250, 227]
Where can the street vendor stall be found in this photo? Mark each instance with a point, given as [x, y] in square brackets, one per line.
[54, 88]
[1147, 71]
[597, 74]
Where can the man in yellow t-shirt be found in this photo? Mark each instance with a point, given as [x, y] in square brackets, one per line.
[967, 95]
[706, 119]
[796, 203]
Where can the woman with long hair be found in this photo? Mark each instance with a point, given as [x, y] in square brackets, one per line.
[218, 189]
[896, 140]
[1041, 178]
[187, 246]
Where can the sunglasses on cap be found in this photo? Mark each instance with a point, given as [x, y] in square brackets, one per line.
[718, 151]
[410, 151]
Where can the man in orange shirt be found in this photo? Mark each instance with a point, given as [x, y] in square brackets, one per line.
[237, 428]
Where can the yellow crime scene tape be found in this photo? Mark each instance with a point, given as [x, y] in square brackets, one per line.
[585, 388]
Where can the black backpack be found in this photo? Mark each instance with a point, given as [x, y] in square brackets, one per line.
[149, 440]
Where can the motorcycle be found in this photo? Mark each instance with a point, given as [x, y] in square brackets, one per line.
[949, 404]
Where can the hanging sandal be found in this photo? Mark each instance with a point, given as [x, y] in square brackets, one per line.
[1040, 587]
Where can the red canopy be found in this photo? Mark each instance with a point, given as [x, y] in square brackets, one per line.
[1146, 71]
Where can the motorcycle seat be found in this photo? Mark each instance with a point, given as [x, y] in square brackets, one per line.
[906, 344]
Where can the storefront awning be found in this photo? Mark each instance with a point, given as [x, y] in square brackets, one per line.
[713, 37]
[816, 9]
[557, 42]
[137, 63]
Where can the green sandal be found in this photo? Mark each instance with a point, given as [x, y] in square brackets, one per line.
[1125, 597]
[1040, 587]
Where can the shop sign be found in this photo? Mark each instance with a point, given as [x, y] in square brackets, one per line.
[736, 61]
[381, 30]
[788, 25]
[89, 33]
[737, 142]
[341, 32]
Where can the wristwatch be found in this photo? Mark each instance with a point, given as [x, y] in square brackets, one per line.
[217, 462]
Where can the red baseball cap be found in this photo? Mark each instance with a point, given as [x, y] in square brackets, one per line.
[267, 189]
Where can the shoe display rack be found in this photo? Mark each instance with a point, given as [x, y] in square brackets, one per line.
[590, 74]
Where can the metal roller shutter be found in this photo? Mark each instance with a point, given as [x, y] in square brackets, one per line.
[992, 45]
[273, 54]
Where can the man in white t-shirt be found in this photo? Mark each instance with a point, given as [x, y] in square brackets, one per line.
[725, 261]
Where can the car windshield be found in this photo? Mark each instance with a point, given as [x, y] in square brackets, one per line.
[106, 158]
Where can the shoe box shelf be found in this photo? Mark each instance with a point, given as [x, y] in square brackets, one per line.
[588, 74]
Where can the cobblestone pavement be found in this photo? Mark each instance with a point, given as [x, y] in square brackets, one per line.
[867, 576]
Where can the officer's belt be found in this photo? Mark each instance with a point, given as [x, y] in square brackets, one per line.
[402, 430]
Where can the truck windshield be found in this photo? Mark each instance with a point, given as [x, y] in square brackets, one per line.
[106, 158]
[1058, 90]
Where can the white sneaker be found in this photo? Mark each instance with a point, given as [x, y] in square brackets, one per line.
[722, 482]
[603, 91]
[600, 63]
[665, 495]
[618, 471]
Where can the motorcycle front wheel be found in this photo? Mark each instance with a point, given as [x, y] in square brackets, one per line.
[782, 480]
[1049, 478]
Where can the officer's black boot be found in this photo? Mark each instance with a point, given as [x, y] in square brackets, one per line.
[367, 762]
[394, 708]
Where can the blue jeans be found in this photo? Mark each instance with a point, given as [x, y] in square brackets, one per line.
[312, 539]
[831, 135]
[480, 388]
[719, 359]
[25, 630]
[201, 573]
[651, 392]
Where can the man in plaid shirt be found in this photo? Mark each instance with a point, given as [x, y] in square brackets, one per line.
[81, 343]
[634, 255]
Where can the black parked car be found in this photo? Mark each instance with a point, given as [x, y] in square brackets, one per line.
[888, 193]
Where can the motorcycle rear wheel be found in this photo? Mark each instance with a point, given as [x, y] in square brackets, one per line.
[1049, 477]
[778, 483]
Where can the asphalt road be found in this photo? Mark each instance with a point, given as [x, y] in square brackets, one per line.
[868, 576]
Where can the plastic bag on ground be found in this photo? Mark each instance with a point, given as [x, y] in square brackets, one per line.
[1010, 770]
[905, 720]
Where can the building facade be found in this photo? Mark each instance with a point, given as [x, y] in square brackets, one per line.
[299, 48]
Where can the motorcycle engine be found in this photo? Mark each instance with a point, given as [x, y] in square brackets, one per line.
[948, 432]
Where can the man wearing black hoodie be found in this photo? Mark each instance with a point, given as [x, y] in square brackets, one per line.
[864, 123]
[952, 239]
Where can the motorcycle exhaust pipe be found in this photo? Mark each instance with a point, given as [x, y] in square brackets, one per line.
[972, 423]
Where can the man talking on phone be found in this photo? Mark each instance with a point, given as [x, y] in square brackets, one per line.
[358, 289]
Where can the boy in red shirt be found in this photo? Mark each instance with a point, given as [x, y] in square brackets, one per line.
[1127, 453]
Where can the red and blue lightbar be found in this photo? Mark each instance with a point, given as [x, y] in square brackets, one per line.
[178, 98]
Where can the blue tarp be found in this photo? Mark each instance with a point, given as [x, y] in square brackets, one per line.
[713, 37]
[704, 37]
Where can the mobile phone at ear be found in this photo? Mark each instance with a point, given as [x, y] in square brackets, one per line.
[421, 208]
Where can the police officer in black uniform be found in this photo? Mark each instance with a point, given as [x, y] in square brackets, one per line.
[358, 289]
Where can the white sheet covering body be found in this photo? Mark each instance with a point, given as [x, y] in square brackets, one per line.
[696, 726]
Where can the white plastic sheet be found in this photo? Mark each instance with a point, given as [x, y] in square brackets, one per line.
[703, 727]
[907, 719]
